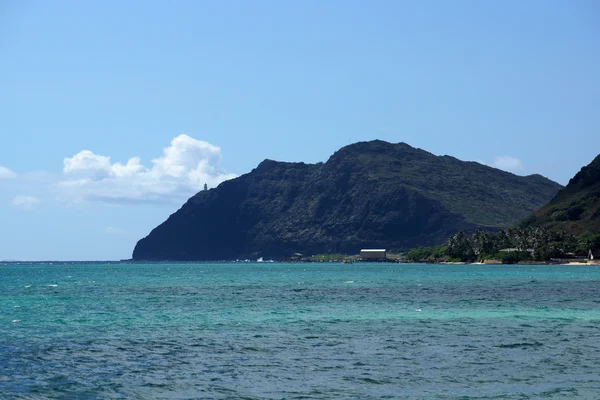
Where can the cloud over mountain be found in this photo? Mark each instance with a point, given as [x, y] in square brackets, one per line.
[6, 173]
[182, 170]
[508, 163]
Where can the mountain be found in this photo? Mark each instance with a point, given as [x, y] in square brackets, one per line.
[368, 194]
[576, 208]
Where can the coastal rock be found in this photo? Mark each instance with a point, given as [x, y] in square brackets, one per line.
[368, 194]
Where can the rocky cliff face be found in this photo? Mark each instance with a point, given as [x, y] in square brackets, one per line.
[369, 194]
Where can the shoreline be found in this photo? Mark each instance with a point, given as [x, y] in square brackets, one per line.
[569, 264]
[594, 263]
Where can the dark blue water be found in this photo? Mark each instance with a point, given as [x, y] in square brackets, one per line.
[299, 331]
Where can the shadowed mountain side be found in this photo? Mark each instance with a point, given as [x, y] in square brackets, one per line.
[576, 208]
[369, 194]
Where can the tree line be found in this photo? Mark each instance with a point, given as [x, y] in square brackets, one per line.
[509, 245]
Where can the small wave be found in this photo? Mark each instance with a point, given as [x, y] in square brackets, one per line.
[16, 320]
[519, 345]
[373, 381]
[27, 286]
[349, 282]
[53, 285]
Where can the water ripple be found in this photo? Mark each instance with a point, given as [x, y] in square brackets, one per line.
[231, 331]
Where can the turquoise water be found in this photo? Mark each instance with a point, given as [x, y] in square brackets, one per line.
[299, 331]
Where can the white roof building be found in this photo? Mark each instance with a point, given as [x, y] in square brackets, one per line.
[373, 254]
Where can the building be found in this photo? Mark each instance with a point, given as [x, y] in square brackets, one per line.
[373, 254]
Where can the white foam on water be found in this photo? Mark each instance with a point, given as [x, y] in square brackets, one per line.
[349, 282]
[27, 285]
[418, 310]
[53, 285]
[16, 320]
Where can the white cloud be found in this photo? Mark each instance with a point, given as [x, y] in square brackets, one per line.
[508, 163]
[114, 231]
[6, 173]
[185, 165]
[26, 202]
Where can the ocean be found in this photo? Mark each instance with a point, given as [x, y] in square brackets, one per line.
[298, 331]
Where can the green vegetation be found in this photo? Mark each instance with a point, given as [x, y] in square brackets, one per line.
[509, 246]
[395, 255]
[330, 258]
[428, 254]
[567, 227]
[479, 193]
[576, 208]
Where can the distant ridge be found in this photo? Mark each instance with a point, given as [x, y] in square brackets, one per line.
[368, 194]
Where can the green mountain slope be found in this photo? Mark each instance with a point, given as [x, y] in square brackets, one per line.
[576, 208]
[369, 194]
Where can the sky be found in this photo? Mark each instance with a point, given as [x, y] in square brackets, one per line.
[113, 113]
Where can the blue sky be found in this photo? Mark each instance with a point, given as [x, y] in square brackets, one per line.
[113, 113]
